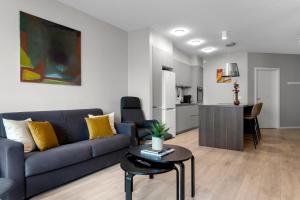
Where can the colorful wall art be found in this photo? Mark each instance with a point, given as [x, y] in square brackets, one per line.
[220, 78]
[50, 53]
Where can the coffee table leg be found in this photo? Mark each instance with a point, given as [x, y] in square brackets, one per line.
[177, 182]
[182, 180]
[193, 175]
[129, 186]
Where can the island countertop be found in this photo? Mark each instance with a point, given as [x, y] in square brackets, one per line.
[227, 105]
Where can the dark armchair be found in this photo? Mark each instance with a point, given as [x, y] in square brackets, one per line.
[131, 112]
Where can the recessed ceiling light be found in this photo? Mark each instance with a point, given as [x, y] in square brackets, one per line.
[179, 32]
[195, 42]
[209, 49]
[224, 35]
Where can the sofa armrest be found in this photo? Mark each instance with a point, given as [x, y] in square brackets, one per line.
[128, 129]
[12, 166]
[149, 123]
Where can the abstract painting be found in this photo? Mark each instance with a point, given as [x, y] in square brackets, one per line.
[50, 53]
[220, 78]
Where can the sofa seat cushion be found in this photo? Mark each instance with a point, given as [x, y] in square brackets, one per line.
[103, 146]
[56, 158]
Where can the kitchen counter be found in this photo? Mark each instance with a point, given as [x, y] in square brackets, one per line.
[187, 104]
[187, 117]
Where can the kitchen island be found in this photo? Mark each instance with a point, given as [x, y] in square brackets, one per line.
[222, 126]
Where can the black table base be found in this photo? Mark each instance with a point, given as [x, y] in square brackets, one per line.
[177, 158]
[129, 184]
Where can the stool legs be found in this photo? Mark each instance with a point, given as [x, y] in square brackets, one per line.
[129, 183]
[256, 130]
[193, 176]
[129, 186]
[177, 182]
[257, 125]
[182, 180]
[253, 133]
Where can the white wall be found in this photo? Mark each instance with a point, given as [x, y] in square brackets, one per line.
[160, 42]
[196, 61]
[181, 56]
[140, 43]
[140, 68]
[104, 61]
[289, 65]
[214, 92]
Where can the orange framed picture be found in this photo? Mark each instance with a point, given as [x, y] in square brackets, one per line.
[220, 78]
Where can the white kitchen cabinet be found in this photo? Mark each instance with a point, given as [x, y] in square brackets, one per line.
[157, 77]
[187, 117]
[160, 58]
[200, 77]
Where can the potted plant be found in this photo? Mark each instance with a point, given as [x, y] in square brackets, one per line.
[158, 131]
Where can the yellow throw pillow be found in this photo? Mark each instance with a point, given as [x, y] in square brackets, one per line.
[99, 127]
[43, 135]
[111, 118]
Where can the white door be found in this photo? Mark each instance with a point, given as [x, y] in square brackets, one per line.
[267, 91]
[168, 90]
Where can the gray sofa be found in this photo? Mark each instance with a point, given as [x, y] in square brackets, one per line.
[36, 172]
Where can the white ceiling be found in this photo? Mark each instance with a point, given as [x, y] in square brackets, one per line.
[269, 26]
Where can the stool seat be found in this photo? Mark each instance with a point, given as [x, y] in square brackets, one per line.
[5, 186]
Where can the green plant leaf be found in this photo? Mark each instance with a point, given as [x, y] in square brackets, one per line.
[159, 130]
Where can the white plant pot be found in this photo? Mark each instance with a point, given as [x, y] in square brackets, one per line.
[157, 144]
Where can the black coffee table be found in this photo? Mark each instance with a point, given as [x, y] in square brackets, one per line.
[180, 155]
[133, 165]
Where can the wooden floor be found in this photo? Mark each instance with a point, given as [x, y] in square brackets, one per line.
[272, 171]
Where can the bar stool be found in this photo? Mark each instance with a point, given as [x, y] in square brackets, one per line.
[253, 122]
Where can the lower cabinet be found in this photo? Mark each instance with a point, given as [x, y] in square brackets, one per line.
[187, 117]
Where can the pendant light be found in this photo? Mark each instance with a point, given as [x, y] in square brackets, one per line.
[231, 68]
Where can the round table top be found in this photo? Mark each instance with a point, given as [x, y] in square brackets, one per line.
[5, 185]
[129, 164]
[179, 155]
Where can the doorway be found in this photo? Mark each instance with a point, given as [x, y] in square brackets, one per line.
[267, 91]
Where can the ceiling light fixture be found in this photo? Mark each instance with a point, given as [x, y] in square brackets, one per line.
[224, 35]
[209, 49]
[195, 42]
[179, 32]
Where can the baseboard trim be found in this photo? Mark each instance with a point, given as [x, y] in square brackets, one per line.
[290, 127]
[179, 132]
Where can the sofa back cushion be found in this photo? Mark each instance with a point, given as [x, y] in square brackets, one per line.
[69, 125]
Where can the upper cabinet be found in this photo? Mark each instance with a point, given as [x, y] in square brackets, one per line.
[160, 58]
[184, 73]
[200, 77]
